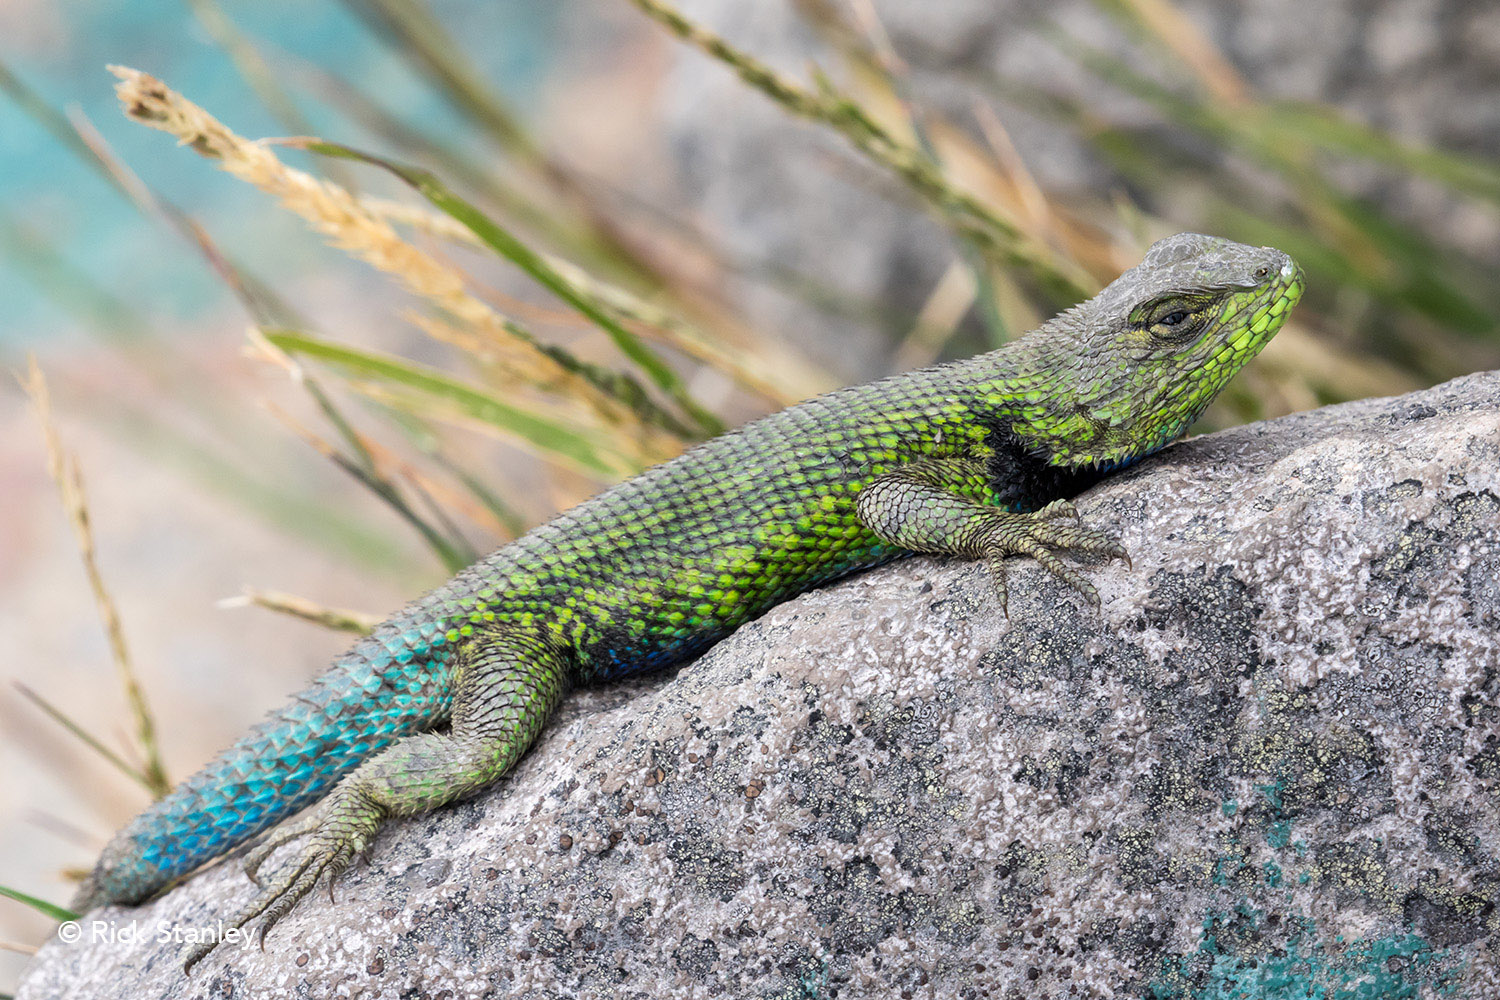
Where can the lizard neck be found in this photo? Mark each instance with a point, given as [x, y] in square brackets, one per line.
[1040, 399]
[1025, 396]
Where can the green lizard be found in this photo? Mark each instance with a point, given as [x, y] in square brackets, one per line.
[976, 458]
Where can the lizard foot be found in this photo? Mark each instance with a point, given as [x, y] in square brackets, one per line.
[340, 828]
[505, 685]
[1036, 535]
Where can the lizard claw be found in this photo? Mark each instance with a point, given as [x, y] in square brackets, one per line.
[1038, 534]
[340, 828]
[262, 852]
[301, 877]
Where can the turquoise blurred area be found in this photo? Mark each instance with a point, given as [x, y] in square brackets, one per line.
[75, 256]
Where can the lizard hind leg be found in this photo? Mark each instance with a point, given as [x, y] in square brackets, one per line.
[505, 685]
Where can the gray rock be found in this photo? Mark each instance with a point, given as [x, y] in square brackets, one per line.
[1269, 767]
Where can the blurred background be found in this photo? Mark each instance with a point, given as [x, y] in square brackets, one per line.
[646, 223]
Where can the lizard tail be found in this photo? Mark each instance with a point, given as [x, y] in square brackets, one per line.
[380, 691]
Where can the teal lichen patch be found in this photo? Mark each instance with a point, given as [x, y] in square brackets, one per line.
[1247, 955]
[1235, 867]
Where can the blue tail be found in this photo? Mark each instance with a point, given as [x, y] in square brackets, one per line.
[391, 684]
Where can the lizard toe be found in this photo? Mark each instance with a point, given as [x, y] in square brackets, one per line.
[1058, 510]
[1067, 574]
[1075, 538]
[256, 858]
[298, 882]
[339, 830]
[995, 562]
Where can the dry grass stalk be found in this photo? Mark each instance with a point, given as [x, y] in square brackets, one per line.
[746, 363]
[1180, 36]
[945, 309]
[349, 225]
[421, 218]
[660, 325]
[644, 445]
[437, 491]
[65, 471]
[996, 236]
[340, 619]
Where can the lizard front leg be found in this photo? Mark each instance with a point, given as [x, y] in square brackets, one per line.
[943, 506]
[505, 685]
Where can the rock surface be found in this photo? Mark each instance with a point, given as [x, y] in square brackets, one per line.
[1269, 767]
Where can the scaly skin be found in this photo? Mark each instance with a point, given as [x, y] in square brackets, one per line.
[976, 458]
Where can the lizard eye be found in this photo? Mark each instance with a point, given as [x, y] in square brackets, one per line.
[1174, 324]
[1173, 318]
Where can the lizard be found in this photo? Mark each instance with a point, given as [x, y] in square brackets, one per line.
[978, 458]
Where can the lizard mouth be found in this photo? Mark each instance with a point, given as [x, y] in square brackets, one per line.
[1267, 311]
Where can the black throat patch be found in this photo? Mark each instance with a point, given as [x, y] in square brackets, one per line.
[1023, 480]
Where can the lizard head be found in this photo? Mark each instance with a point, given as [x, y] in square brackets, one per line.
[1142, 359]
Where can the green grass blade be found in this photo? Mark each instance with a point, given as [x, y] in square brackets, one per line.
[1411, 275]
[464, 169]
[1323, 127]
[547, 436]
[41, 906]
[88, 739]
[411, 29]
[504, 243]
